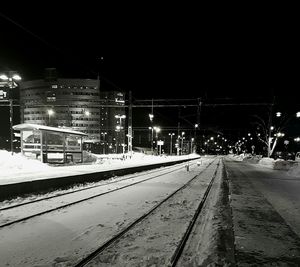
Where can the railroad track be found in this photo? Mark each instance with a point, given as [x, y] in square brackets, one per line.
[12, 209]
[91, 259]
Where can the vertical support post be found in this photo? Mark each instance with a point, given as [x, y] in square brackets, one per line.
[11, 113]
[41, 149]
[81, 149]
[22, 143]
[130, 124]
[64, 148]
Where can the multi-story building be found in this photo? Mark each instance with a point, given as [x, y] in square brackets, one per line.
[76, 104]
[113, 121]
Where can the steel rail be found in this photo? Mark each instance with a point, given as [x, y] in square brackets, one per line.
[109, 242]
[82, 200]
[178, 252]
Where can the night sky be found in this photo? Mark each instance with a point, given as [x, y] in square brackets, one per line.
[161, 52]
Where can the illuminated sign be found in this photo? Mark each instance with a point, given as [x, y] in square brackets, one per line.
[4, 94]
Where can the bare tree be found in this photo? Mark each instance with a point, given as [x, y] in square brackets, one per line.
[268, 131]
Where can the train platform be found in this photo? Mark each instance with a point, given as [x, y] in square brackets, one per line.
[21, 179]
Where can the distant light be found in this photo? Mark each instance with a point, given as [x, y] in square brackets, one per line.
[87, 113]
[151, 116]
[272, 128]
[50, 112]
[120, 116]
[3, 77]
[298, 114]
[297, 139]
[17, 77]
[211, 138]
[249, 134]
[196, 125]
[278, 114]
[157, 129]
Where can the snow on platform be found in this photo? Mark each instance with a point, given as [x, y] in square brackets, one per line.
[17, 168]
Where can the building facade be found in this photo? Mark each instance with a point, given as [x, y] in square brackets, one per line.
[76, 104]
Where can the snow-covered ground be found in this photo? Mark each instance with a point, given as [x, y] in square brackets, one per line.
[17, 168]
[63, 237]
[292, 167]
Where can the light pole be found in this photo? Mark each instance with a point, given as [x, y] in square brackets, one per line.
[196, 127]
[119, 129]
[171, 135]
[157, 130]
[151, 116]
[11, 78]
[50, 113]
[192, 140]
[104, 141]
[182, 137]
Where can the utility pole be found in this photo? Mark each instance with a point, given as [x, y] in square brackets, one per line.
[130, 124]
[178, 130]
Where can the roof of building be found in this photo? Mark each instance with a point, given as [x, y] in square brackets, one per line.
[28, 126]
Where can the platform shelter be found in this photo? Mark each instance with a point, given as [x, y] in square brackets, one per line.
[51, 144]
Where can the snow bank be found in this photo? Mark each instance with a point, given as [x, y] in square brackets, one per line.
[278, 164]
[18, 168]
[252, 158]
[283, 164]
[267, 162]
[295, 170]
[11, 163]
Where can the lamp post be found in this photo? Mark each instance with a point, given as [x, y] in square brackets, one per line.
[182, 137]
[50, 113]
[192, 140]
[171, 135]
[104, 141]
[157, 130]
[10, 79]
[119, 129]
[120, 117]
[151, 116]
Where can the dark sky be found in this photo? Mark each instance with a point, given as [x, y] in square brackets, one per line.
[159, 52]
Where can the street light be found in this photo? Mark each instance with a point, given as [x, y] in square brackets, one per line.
[10, 79]
[151, 116]
[50, 113]
[171, 135]
[192, 140]
[118, 129]
[182, 137]
[104, 141]
[120, 117]
[157, 130]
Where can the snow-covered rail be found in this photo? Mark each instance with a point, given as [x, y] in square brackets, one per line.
[30, 209]
[112, 248]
